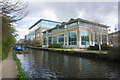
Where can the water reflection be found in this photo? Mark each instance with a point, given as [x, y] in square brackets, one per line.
[44, 64]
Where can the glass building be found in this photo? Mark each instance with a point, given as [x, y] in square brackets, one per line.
[35, 31]
[76, 33]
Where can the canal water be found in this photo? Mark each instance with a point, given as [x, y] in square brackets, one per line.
[46, 64]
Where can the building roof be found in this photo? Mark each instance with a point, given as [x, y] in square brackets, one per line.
[117, 32]
[42, 20]
[95, 23]
[78, 19]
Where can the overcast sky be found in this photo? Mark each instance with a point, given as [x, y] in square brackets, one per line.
[102, 12]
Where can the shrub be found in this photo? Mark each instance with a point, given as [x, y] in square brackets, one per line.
[55, 46]
[104, 47]
[96, 47]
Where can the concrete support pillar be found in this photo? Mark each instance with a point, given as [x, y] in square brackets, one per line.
[57, 39]
[65, 36]
[93, 36]
[107, 40]
[47, 39]
[78, 23]
[79, 38]
[40, 34]
[101, 38]
[52, 40]
[47, 42]
[90, 38]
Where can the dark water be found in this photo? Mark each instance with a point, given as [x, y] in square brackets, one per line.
[44, 64]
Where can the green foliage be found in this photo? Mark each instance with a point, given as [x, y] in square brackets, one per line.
[8, 38]
[72, 52]
[55, 46]
[104, 47]
[4, 50]
[114, 53]
[96, 47]
[4, 55]
[21, 73]
[21, 52]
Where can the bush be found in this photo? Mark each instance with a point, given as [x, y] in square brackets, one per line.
[104, 47]
[96, 47]
[55, 46]
[5, 51]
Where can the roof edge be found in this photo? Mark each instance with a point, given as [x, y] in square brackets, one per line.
[41, 20]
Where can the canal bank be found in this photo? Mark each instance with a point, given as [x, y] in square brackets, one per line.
[92, 54]
[79, 52]
[71, 50]
[21, 74]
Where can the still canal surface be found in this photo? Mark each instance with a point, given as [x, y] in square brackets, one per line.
[45, 64]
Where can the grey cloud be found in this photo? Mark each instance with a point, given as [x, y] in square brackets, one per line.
[66, 10]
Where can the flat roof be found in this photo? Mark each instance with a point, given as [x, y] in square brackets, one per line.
[78, 19]
[117, 32]
[42, 20]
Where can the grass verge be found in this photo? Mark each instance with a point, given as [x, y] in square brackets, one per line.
[20, 52]
[58, 48]
[21, 73]
[4, 55]
[97, 50]
[0, 57]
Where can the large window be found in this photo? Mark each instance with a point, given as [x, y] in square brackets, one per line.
[55, 30]
[84, 24]
[37, 35]
[44, 41]
[50, 24]
[97, 38]
[104, 39]
[85, 38]
[61, 39]
[73, 38]
[72, 24]
[54, 39]
[91, 25]
[32, 35]
[61, 27]
[49, 40]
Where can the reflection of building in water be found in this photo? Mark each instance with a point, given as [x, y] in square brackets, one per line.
[76, 33]
[39, 57]
[66, 61]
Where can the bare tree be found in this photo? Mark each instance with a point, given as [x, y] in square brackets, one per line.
[15, 9]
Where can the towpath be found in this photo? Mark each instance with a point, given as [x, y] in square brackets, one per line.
[9, 67]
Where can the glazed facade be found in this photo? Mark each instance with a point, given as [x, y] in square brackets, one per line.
[76, 33]
[35, 31]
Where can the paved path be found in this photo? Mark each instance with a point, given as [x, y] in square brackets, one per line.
[9, 67]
